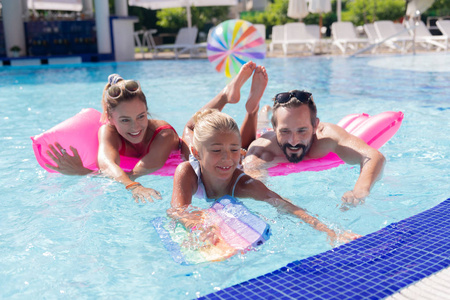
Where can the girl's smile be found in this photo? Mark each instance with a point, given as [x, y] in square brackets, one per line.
[220, 154]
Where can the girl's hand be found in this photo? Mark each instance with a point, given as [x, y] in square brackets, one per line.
[347, 236]
[342, 238]
[65, 163]
[208, 233]
[143, 194]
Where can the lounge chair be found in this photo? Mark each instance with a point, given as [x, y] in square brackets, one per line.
[371, 33]
[313, 32]
[277, 37]
[444, 27]
[199, 49]
[424, 37]
[345, 37]
[137, 41]
[393, 36]
[147, 40]
[184, 42]
[261, 29]
[297, 34]
[372, 36]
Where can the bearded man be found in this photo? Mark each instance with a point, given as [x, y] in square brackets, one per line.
[299, 135]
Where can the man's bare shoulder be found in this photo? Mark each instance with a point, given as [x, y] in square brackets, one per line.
[328, 137]
[329, 131]
[265, 147]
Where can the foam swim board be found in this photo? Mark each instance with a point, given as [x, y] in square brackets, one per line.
[239, 231]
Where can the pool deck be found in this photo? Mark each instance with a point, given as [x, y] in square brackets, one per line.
[169, 55]
[325, 51]
[404, 260]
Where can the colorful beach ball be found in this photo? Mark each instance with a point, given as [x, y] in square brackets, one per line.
[233, 43]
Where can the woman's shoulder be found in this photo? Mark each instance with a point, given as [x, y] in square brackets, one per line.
[161, 126]
[108, 132]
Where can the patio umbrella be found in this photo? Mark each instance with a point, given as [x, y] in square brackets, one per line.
[297, 9]
[70, 5]
[159, 4]
[417, 5]
[320, 7]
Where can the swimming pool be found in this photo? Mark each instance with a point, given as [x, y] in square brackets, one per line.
[84, 237]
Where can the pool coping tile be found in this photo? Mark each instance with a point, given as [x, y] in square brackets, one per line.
[372, 267]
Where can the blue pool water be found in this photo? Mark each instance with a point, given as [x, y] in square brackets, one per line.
[84, 237]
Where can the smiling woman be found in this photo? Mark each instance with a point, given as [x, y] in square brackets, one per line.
[126, 131]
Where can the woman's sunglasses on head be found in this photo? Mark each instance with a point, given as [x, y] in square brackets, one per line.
[131, 86]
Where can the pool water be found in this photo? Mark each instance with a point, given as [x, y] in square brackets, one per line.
[84, 237]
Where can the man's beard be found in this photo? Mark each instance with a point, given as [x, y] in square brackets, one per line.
[294, 158]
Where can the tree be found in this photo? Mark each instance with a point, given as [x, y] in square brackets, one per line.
[175, 18]
[439, 8]
[362, 11]
[276, 14]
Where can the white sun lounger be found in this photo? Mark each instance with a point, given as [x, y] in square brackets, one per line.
[345, 37]
[444, 27]
[184, 42]
[424, 37]
[277, 37]
[393, 36]
[296, 34]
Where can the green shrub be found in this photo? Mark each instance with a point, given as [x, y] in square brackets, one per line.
[361, 12]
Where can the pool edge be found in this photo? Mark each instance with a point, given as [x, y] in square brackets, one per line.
[376, 266]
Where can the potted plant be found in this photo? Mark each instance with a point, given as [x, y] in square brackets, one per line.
[15, 50]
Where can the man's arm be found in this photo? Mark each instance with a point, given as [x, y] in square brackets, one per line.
[255, 189]
[258, 157]
[354, 150]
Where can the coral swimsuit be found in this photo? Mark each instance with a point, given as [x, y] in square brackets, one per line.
[123, 146]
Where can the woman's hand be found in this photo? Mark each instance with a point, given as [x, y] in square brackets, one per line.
[65, 163]
[143, 194]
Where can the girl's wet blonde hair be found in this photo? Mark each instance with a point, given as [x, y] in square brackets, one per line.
[209, 122]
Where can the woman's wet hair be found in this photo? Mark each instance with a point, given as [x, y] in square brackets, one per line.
[118, 90]
[210, 122]
[294, 102]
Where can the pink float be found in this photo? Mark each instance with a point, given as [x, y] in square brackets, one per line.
[81, 132]
[375, 131]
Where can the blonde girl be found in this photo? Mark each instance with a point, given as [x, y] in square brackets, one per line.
[213, 171]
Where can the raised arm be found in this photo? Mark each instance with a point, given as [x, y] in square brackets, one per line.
[259, 157]
[353, 150]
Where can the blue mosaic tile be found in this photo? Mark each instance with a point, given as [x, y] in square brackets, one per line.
[372, 267]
